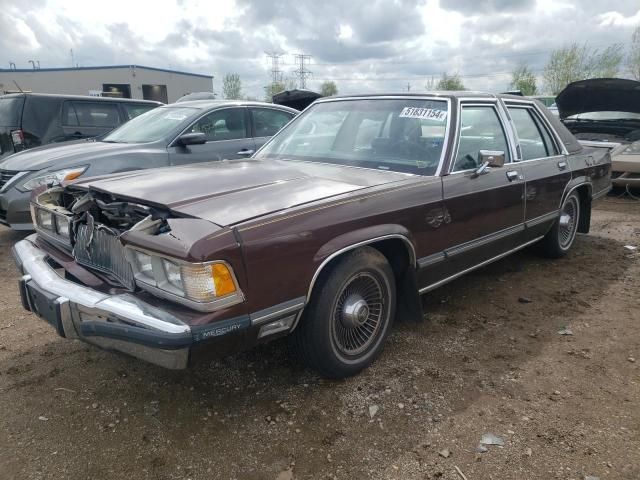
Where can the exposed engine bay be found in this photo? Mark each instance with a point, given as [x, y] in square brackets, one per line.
[105, 212]
[610, 131]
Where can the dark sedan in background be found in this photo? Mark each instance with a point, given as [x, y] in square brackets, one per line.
[177, 134]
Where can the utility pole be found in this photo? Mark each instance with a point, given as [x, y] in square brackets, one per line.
[302, 73]
[73, 60]
[408, 87]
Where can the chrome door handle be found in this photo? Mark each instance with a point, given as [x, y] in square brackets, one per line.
[246, 152]
[562, 165]
[512, 175]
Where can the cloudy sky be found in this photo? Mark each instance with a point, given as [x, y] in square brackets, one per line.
[363, 45]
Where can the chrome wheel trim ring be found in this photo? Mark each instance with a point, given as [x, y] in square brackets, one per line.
[359, 314]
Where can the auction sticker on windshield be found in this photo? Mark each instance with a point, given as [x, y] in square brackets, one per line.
[423, 113]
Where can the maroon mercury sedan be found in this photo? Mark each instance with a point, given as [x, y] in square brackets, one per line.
[333, 228]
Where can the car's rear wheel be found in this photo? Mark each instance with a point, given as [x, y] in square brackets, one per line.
[349, 315]
[559, 239]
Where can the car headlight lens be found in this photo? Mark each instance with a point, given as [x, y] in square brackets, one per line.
[62, 226]
[633, 149]
[173, 273]
[144, 266]
[44, 219]
[51, 179]
[205, 286]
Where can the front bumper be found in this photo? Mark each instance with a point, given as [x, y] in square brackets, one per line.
[14, 209]
[119, 322]
[626, 170]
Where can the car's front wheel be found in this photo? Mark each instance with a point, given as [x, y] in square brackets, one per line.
[349, 315]
[559, 239]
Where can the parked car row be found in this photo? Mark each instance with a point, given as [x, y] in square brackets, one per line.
[170, 135]
[335, 226]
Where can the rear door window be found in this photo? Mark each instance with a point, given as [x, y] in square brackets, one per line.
[11, 111]
[90, 114]
[268, 121]
[534, 140]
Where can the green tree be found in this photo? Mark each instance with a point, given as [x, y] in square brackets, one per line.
[273, 88]
[328, 89]
[579, 62]
[633, 60]
[450, 82]
[232, 86]
[277, 87]
[523, 79]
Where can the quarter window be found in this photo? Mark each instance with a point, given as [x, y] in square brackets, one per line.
[535, 141]
[267, 122]
[480, 129]
[226, 124]
[88, 114]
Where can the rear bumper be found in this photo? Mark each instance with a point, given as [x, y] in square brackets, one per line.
[119, 322]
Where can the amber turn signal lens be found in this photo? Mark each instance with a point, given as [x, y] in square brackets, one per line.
[222, 279]
[73, 175]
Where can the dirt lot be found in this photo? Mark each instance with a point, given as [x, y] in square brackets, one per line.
[487, 361]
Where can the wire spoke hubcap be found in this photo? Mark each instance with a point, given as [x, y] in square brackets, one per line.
[568, 222]
[358, 314]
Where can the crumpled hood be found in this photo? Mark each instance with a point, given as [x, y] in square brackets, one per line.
[599, 95]
[231, 191]
[61, 155]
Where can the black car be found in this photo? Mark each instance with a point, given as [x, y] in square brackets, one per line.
[29, 120]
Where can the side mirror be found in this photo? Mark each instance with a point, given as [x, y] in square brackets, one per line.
[487, 159]
[195, 138]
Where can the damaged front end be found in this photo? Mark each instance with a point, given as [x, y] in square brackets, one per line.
[131, 277]
[130, 245]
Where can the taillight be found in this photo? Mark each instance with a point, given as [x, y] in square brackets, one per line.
[17, 136]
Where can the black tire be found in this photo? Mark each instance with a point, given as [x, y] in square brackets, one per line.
[349, 315]
[557, 242]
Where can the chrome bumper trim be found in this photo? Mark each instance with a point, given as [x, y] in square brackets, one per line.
[118, 322]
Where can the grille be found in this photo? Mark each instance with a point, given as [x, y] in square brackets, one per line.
[101, 250]
[6, 176]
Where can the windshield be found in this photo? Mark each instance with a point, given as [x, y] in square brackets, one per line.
[388, 134]
[605, 115]
[151, 126]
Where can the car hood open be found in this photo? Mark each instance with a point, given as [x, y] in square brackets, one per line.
[599, 95]
[229, 192]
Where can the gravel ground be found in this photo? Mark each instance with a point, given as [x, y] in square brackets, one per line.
[489, 360]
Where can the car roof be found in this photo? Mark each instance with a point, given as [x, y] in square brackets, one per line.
[446, 94]
[204, 104]
[81, 97]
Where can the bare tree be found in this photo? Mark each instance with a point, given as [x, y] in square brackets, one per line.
[579, 62]
[450, 82]
[523, 79]
[633, 60]
[328, 88]
[232, 86]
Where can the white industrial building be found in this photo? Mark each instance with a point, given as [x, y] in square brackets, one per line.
[126, 81]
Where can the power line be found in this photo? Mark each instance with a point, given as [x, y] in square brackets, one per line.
[302, 73]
